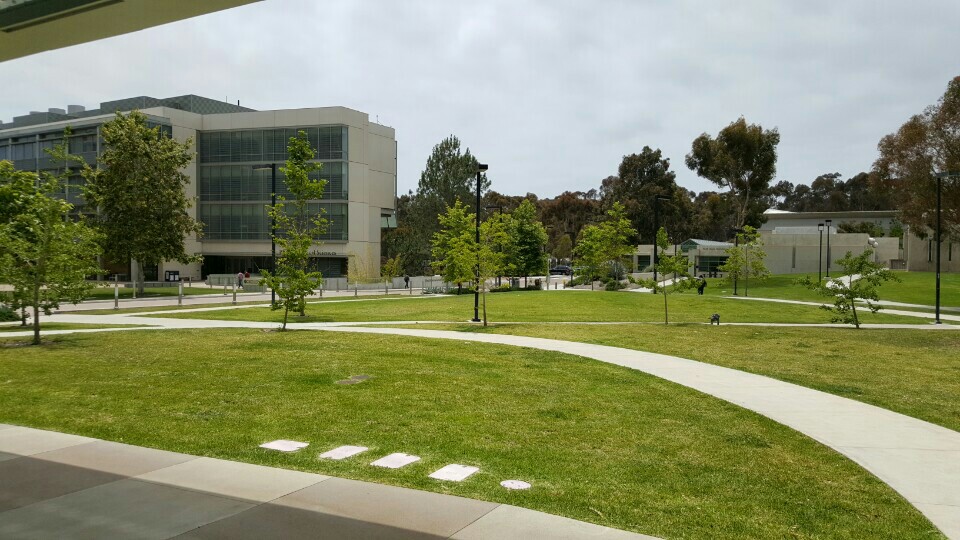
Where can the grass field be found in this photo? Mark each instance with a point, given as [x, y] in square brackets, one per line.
[598, 442]
[536, 306]
[45, 326]
[106, 293]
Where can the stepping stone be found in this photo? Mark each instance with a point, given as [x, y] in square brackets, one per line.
[395, 461]
[343, 452]
[454, 472]
[515, 484]
[284, 445]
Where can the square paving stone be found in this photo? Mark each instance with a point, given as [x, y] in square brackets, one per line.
[408, 509]
[233, 479]
[28, 480]
[27, 441]
[128, 509]
[115, 458]
[275, 521]
[508, 522]
[395, 461]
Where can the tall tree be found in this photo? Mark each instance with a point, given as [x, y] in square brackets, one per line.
[528, 239]
[297, 230]
[926, 144]
[567, 214]
[456, 225]
[743, 159]
[139, 192]
[607, 242]
[44, 254]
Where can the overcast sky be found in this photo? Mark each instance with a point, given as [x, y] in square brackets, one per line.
[550, 93]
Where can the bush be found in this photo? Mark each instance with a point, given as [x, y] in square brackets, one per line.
[7, 314]
[502, 288]
[613, 286]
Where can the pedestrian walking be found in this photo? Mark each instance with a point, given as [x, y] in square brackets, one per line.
[239, 280]
[701, 285]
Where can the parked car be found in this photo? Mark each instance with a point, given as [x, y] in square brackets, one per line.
[561, 270]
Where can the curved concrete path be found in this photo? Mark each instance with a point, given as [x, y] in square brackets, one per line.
[918, 459]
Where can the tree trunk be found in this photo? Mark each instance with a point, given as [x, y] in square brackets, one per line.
[666, 317]
[856, 320]
[484, 295]
[286, 311]
[140, 280]
[36, 315]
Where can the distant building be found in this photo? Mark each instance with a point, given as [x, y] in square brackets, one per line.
[358, 157]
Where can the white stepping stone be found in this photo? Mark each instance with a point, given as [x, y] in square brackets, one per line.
[343, 452]
[454, 472]
[515, 484]
[284, 445]
[395, 461]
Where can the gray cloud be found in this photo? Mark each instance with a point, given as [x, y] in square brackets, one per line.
[550, 93]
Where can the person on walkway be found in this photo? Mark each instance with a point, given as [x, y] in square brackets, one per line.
[701, 285]
[239, 280]
[406, 282]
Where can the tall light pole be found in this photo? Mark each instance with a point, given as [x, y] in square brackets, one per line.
[273, 221]
[656, 229]
[940, 176]
[828, 221]
[476, 291]
[820, 255]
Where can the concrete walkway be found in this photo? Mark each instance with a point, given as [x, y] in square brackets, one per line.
[918, 314]
[57, 485]
[918, 459]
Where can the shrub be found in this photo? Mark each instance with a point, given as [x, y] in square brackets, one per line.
[7, 314]
[613, 286]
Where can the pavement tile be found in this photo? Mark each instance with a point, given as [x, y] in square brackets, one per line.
[125, 509]
[417, 511]
[27, 441]
[510, 522]
[233, 479]
[116, 458]
[28, 480]
[277, 521]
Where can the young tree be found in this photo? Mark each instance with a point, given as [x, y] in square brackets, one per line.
[527, 238]
[486, 255]
[743, 158]
[670, 264]
[607, 242]
[926, 144]
[139, 193]
[44, 254]
[455, 225]
[746, 260]
[860, 280]
[297, 230]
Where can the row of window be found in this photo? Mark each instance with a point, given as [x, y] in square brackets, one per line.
[269, 145]
[243, 183]
[251, 222]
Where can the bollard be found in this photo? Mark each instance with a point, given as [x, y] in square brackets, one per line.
[116, 296]
[338, 285]
[386, 289]
[180, 295]
[356, 289]
[234, 294]
[224, 289]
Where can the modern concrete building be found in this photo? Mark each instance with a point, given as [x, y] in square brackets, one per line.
[358, 157]
[32, 26]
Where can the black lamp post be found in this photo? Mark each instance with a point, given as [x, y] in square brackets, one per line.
[273, 221]
[828, 221]
[820, 254]
[940, 176]
[656, 229]
[476, 292]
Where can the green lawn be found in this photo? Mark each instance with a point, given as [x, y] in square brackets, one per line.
[536, 306]
[598, 442]
[45, 326]
[106, 293]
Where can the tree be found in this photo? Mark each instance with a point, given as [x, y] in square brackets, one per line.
[297, 230]
[527, 239]
[743, 159]
[607, 242]
[455, 226]
[139, 193]
[487, 254]
[860, 280]
[926, 144]
[670, 264]
[747, 260]
[44, 255]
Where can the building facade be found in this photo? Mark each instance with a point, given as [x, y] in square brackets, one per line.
[359, 160]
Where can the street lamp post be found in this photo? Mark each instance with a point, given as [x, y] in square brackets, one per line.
[828, 221]
[476, 291]
[273, 222]
[940, 176]
[656, 229]
[820, 254]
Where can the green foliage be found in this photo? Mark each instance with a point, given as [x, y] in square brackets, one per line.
[456, 228]
[8, 314]
[845, 294]
[866, 227]
[44, 255]
[138, 190]
[296, 231]
[746, 261]
[670, 264]
[606, 242]
[392, 267]
[527, 239]
[743, 159]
